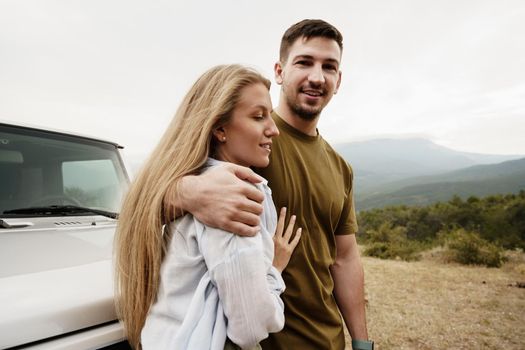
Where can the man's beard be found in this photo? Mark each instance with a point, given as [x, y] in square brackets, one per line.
[303, 113]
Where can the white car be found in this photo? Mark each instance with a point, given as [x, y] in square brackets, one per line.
[59, 198]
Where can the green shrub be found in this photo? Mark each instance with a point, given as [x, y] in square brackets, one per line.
[407, 250]
[388, 242]
[386, 233]
[469, 248]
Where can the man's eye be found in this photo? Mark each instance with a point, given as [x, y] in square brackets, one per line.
[330, 67]
[302, 63]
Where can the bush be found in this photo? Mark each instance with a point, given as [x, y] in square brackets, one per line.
[407, 251]
[469, 248]
[386, 233]
[389, 242]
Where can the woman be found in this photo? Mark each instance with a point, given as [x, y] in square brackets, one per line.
[186, 285]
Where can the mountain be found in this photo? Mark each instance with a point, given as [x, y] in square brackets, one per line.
[382, 161]
[479, 180]
[474, 173]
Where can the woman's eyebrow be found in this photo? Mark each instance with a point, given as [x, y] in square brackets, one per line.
[259, 106]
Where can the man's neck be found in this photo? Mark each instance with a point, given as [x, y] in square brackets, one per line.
[308, 127]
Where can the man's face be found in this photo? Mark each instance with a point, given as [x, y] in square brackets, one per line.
[310, 76]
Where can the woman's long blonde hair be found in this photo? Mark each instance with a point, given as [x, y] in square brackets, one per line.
[182, 150]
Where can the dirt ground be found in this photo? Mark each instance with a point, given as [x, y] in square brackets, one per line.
[433, 305]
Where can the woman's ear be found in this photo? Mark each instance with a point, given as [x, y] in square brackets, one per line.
[219, 134]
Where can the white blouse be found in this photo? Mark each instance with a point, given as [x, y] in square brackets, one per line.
[215, 284]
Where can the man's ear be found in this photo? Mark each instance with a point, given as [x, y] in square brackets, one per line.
[278, 71]
[338, 83]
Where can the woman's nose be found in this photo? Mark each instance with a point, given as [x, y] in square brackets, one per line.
[271, 129]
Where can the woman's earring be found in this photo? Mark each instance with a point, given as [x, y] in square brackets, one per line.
[224, 139]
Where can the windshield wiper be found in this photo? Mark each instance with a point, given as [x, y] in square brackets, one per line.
[61, 209]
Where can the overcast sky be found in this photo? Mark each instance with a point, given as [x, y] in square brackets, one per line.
[452, 71]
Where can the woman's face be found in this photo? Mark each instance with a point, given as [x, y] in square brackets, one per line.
[247, 138]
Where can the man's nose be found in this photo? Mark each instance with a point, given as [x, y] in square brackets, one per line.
[316, 75]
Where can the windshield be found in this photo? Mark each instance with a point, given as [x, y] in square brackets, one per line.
[40, 169]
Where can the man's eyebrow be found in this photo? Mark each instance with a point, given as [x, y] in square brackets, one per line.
[303, 57]
[309, 57]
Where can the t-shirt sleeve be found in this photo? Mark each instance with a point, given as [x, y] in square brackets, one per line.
[347, 222]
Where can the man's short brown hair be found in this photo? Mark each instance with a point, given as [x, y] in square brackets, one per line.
[308, 28]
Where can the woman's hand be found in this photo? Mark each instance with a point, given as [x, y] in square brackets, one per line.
[283, 246]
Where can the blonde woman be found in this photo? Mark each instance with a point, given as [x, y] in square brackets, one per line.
[184, 285]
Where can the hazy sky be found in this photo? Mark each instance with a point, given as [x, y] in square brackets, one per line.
[449, 70]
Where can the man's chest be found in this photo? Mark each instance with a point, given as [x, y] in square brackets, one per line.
[307, 181]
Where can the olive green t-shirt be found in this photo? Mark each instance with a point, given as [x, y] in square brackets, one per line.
[309, 178]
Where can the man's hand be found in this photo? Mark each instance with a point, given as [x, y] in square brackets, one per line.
[221, 198]
[283, 244]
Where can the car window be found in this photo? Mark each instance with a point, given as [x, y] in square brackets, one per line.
[41, 169]
[93, 183]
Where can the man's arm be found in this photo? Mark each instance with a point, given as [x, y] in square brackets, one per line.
[220, 197]
[348, 276]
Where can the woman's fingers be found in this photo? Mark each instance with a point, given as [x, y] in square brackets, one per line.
[296, 239]
[289, 229]
[285, 235]
[284, 245]
[283, 238]
[280, 223]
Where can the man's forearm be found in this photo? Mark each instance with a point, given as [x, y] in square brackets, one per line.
[219, 197]
[348, 278]
[173, 201]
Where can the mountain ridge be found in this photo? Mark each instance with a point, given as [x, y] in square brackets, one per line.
[418, 171]
[505, 177]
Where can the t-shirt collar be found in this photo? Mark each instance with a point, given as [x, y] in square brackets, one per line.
[283, 125]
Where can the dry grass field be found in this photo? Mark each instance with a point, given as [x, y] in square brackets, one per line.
[433, 305]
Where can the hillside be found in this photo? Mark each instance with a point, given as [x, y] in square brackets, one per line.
[480, 180]
[381, 161]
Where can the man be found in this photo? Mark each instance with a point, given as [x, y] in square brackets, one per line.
[325, 276]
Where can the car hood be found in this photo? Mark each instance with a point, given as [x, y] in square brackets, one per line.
[55, 278]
